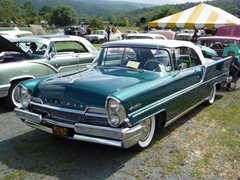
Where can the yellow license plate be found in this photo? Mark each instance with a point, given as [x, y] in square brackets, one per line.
[60, 131]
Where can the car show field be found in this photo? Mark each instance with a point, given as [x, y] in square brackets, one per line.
[119, 90]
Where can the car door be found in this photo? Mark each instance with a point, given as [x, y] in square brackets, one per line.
[69, 55]
[189, 72]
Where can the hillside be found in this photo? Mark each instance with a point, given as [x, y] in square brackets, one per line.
[89, 7]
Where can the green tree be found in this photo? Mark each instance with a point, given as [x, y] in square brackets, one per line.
[63, 16]
[46, 12]
[10, 11]
[96, 24]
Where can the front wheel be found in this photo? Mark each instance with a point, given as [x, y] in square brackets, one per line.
[147, 135]
[212, 95]
[10, 100]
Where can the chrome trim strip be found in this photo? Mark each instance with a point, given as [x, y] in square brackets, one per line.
[38, 126]
[89, 108]
[101, 131]
[46, 64]
[186, 111]
[97, 140]
[22, 77]
[77, 65]
[4, 90]
[177, 94]
[58, 123]
[70, 110]
[59, 108]
[96, 115]
[28, 116]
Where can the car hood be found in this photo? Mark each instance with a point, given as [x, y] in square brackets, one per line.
[6, 46]
[90, 88]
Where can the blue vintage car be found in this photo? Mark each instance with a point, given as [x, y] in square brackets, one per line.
[132, 87]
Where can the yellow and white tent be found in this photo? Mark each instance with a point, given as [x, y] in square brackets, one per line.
[200, 16]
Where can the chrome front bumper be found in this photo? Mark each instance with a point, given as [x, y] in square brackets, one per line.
[119, 137]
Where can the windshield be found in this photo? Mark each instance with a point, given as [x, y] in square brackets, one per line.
[33, 48]
[138, 58]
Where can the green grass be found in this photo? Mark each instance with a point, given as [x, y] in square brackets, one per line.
[15, 174]
[223, 143]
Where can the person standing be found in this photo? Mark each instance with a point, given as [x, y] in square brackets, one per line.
[108, 30]
[89, 31]
[234, 68]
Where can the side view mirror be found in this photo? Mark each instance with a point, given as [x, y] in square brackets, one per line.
[50, 55]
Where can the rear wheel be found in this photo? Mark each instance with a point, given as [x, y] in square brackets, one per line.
[147, 135]
[212, 95]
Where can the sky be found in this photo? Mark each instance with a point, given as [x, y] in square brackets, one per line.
[160, 2]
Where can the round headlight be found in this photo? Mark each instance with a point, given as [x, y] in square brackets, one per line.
[116, 112]
[114, 120]
[114, 106]
[24, 97]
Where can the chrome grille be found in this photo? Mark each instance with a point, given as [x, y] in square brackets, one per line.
[68, 115]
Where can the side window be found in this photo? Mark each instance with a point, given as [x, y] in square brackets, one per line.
[113, 56]
[194, 58]
[69, 47]
[182, 58]
[186, 58]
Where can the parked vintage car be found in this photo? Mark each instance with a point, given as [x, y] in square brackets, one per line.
[99, 36]
[218, 43]
[132, 88]
[15, 34]
[30, 57]
[128, 32]
[145, 36]
[187, 34]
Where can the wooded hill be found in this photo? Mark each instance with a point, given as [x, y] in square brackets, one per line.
[117, 13]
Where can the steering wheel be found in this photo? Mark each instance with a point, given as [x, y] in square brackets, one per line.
[153, 65]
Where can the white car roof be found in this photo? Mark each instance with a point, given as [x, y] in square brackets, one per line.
[149, 43]
[153, 36]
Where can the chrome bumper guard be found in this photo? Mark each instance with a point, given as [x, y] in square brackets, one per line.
[228, 79]
[119, 137]
[4, 90]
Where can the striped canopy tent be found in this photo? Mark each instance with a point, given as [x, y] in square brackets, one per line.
[200, 16]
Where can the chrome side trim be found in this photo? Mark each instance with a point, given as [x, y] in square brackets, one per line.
[46, 64]
[77, 65]
[4, 90]
[22, 77]
[186, 111]
[177, 94]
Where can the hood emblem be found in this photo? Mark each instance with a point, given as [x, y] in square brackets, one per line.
[136, 106]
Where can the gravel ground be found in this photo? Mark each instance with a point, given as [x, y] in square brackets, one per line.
[26, 153]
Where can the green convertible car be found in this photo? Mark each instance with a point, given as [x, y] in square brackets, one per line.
[34, 56]
[132, 87]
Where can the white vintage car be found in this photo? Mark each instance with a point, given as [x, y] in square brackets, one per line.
[99, 36]
[145, 36]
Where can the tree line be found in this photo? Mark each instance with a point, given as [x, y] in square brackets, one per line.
[24, 13]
